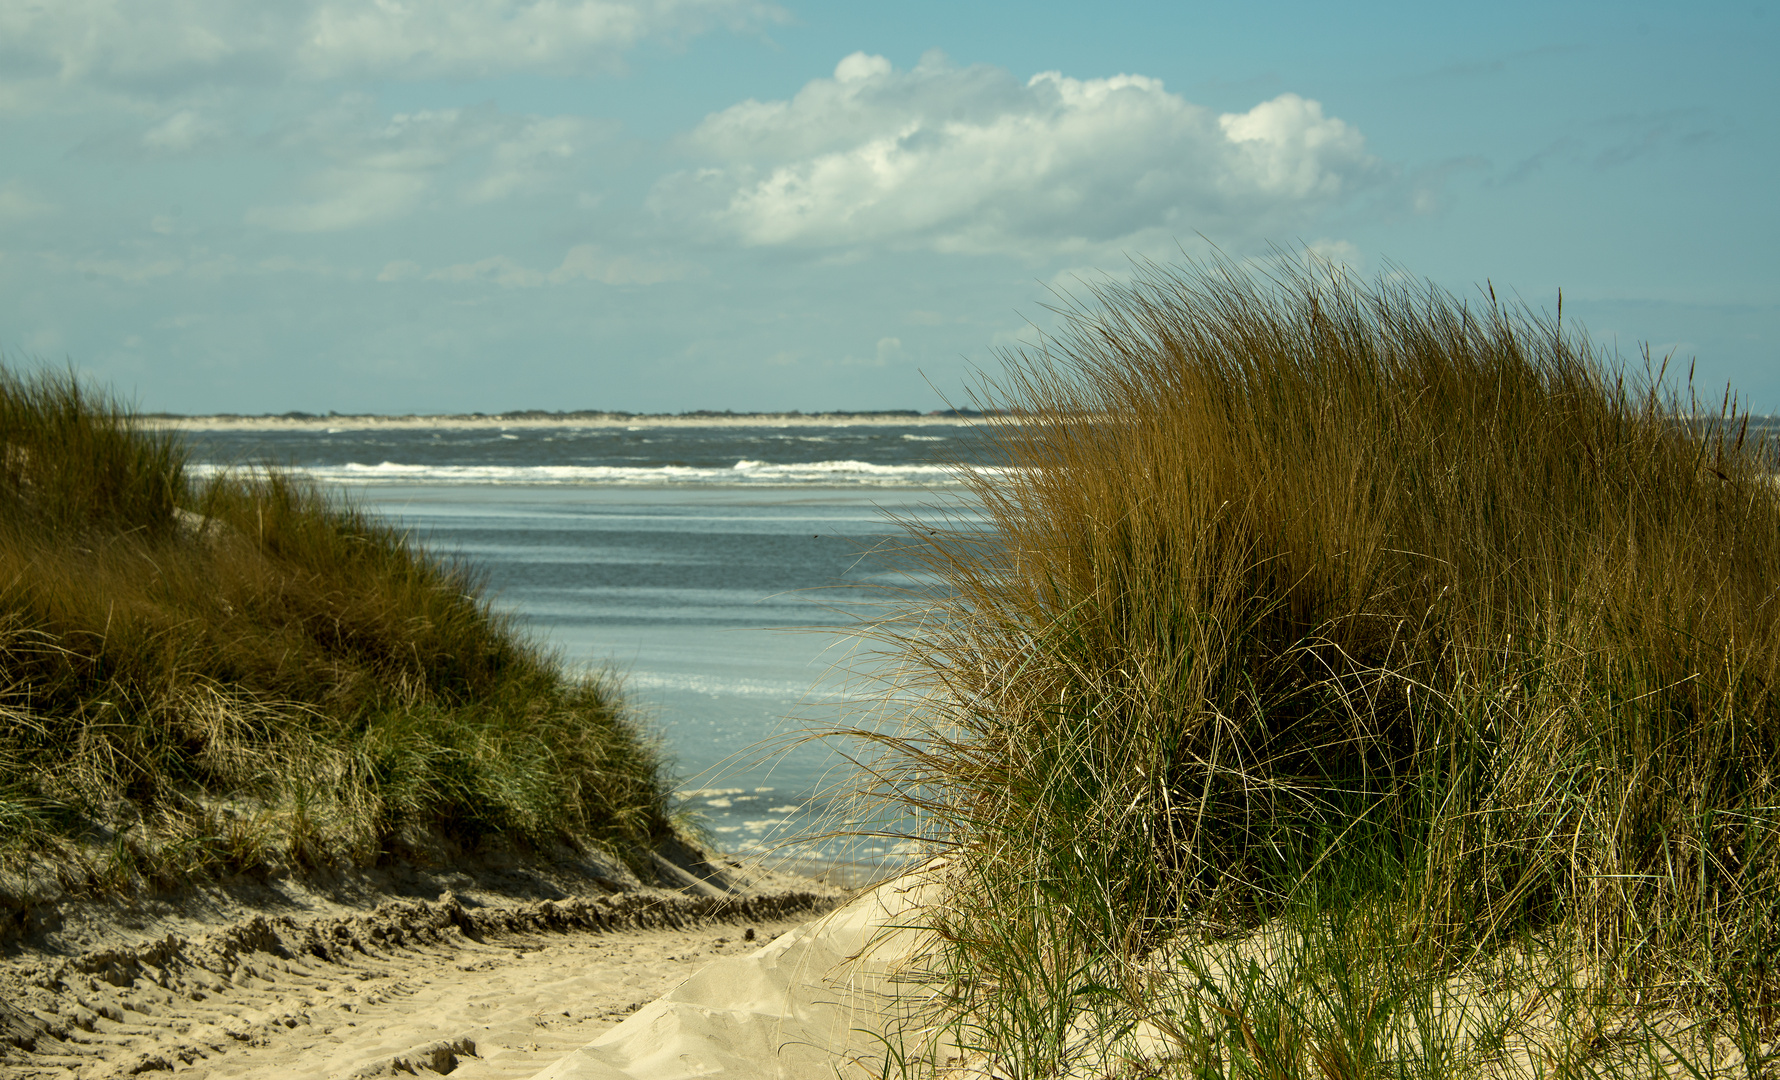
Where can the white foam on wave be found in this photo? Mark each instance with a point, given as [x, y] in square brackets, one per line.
[744, 472]
[718, 686]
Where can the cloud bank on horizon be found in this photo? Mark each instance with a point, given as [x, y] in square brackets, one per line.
[678, 204]
[150, 48]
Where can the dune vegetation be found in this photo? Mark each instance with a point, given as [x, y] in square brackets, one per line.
[1351, 680]
[204, 676]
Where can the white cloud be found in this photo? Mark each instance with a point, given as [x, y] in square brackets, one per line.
[588, 263]
[18, 204]
[42, 342]
[888, 350]
[399, 270]
[132, 266]
[971, 160]
[133, 271]
[182, 131]
[497, 270]
[1027, 336]
[482, 37]
[1338, 252]
[583, 262]
[538, 148]
[345, 198]
[385, 168]
[1287, 147]
[143, 42]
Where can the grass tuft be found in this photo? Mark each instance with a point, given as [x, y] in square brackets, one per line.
[1412, 632]
[224, 674]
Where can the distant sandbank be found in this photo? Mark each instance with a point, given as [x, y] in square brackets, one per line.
[540, 419]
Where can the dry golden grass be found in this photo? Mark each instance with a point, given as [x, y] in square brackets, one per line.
[1308, 596]
[241, 672]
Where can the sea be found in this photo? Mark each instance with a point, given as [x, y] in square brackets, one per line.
[721, 574]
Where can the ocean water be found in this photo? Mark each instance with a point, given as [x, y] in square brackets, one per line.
[721, 573]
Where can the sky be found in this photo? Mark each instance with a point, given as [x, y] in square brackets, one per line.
[666, 205]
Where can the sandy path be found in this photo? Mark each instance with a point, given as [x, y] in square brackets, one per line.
[410, 987]
[503, 1011]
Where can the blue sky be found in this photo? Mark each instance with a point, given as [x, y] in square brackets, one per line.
[661, 205]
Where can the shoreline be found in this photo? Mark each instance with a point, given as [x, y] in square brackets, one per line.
[539, 420]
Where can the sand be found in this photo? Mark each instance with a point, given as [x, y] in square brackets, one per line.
[507, 1008]
[640, 985]
[316, 986]
[818, 1003]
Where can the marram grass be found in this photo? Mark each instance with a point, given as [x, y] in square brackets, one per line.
[207, 676]
[1411, 628]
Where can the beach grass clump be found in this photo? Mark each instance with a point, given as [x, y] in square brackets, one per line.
[239, 671]
[1413, 629]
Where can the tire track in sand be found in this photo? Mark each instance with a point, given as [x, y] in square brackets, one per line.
[409, 988]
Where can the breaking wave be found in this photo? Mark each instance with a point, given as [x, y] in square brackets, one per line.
[743, 473]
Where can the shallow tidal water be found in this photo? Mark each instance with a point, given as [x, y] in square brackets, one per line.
[720, 575]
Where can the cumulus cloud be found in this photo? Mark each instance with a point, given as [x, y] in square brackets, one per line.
[381, 168]
[972, 160]
[148, 41]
